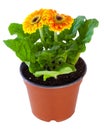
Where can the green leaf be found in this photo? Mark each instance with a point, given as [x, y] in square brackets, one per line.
[64, 69]
[87, 30]
[78, 22]
[17, 47]
[15, 28]
[23, 45]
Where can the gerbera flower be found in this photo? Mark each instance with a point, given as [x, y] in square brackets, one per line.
[33, 21]
[60, 22]
[48, 16]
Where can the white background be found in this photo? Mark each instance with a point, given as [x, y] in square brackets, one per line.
[15, 111]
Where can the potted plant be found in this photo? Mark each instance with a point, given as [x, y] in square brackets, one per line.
[49, 45]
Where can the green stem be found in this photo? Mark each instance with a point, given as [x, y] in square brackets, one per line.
[41, 34]
[76, 59]
[55, 36]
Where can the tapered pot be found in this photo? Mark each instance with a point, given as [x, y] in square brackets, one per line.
[53, 102]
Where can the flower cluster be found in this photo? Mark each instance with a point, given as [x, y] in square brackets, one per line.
[56, 22]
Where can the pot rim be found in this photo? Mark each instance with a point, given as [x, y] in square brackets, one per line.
[53, 87]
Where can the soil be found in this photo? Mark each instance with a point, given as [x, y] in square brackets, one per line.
[61, 79]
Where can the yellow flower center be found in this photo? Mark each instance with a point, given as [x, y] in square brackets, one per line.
[36, 19]
[59, 19]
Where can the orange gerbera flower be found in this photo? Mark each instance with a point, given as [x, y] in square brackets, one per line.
[48, 16]
[33, 21]
[60, 22]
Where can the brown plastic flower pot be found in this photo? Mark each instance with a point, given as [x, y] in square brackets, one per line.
[53, 103]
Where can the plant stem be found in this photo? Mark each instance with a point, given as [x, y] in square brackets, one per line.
[55, 36]
[76, 59]
[41, 34]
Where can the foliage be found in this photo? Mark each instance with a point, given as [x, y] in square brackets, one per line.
[50, 53]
